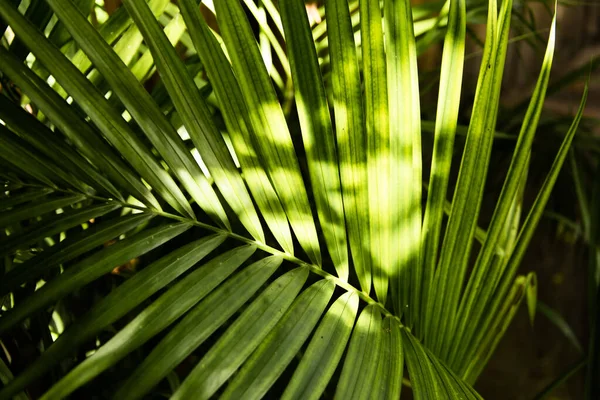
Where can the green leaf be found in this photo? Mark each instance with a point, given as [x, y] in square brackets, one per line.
[197, 326]
[324, 351]
[486, 275]
[382, 223]
[19, 198]
[531, 295]
[96, 107]
[46, 141]
[143, 110]
[272, 136]
[388, 382]
[160, 314]
[118, 303]
[68, 249]
[53, 225]
[242, 337]
[405, 169]
[351, 138]
[196, 118]
[281, 345]
[526, 233]
[360, 366]
[38, 208]
[445, 130]
[558, 321]
[317, 133]
[466, 202]
[90, 269]
[236, 119]
[82, 135]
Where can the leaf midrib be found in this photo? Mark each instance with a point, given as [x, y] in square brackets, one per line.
[262, 246]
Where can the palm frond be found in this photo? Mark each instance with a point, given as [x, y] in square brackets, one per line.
[261, 236]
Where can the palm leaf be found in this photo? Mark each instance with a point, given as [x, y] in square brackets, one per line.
[227, 290]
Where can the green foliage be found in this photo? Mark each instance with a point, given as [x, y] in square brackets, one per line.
[295, 258]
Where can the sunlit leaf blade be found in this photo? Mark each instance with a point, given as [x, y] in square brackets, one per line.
[68, 249]
[198, 324]
[23, 197]
[273, 138]
[525, 234]
[145, 112]
[360, 365]
[46, 141]
[405, 163]
[429, 378]
[531, 296]
[145, 65]
[466, 203]
[381, 207]
[350, 136]
[485, 278]
[283, 342]
[445, 130]
[37, 208]
[82, 135]
[196, 118]
[92, 268]
[53, 225]
[324, 352]
[120, 301]
[236, 119]
[160, 314]
[242, 337]
[317, 133]
[499, 323]
[388, 382]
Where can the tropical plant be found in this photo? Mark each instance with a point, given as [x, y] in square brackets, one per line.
[293, 265]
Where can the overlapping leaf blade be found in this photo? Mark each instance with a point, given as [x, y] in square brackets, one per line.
[317, 133]
[197, 119]
[160, 314]
[273, 140]
[236, 118]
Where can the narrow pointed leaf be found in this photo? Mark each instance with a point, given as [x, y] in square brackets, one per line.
[445, 130]
[388, 382]
[145, 111]
[160, 314]
[92, 268]
[405, 163]
[281, 345]
[485, 278]
[273, 138]
[242, 337]
[351, 140]
[324, 351]
[196, 118]
[55, 224]
[120, 301]
[197, 326]
[63, 116]
[96, 107]
[235, 114]
[42, 138]
[317, 133]
[68, 249]
[18, 198]
[360, 365]
[37, 208]
[378, 146]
